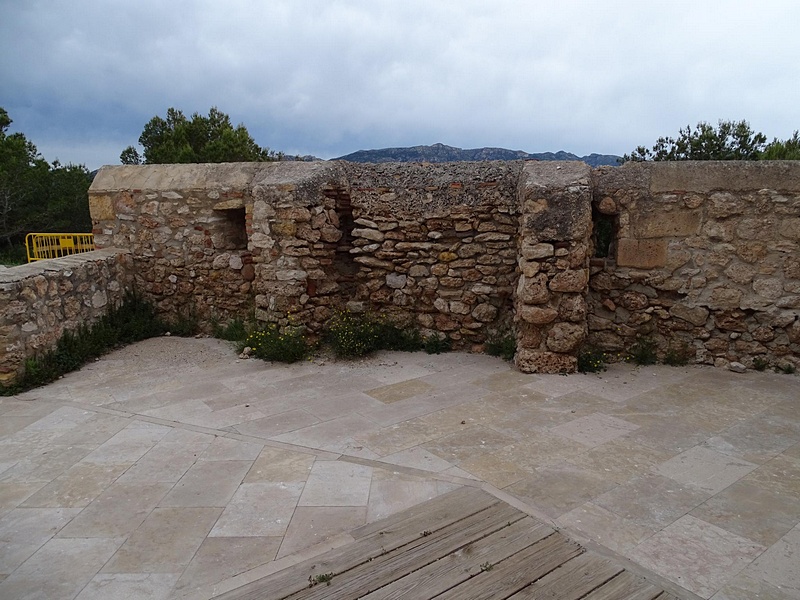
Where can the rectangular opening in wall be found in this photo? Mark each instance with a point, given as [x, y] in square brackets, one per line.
[604, 235]
[234, 228]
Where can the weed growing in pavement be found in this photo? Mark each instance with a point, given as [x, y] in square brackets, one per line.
[760, 363]
[678, 356]
[502, 344]
[643, 352]
[591, 360]
[234, 331]
[436, 344]
[271, 343]
[786, 368]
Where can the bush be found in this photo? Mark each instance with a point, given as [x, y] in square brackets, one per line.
[786, 368]
[591, 360]
[678, 356]
[234, 331]
[435, 344]
[351, 335]
[270, 343]
[392, 337]
[643, 352]
[760, 363]
[502, 344]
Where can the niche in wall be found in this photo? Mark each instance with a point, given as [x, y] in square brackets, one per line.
[233, 228]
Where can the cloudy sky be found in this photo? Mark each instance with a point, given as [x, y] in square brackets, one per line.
[329, 77]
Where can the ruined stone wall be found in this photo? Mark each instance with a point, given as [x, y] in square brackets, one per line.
[706, 257]
[41, 300]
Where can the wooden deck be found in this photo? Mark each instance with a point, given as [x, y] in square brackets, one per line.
[464, 545]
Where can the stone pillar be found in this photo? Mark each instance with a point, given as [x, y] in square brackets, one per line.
[553, 244]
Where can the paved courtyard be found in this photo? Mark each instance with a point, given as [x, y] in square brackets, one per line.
[172, 469]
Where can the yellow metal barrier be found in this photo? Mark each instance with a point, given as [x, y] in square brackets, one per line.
[52, 245]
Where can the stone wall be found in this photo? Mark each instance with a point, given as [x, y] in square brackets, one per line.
[40, 300]
[554, 247]
[435, 245]
[704, 256]
[186, 228]
[706, 259]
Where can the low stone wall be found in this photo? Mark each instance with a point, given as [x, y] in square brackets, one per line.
[40, 300]
[706, 259]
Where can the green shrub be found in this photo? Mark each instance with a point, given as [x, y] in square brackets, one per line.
[643, 352]
[502, 344]
[270, 343]
[786, 368]
[678, 356]
[760, 363]
[435, 344]
[392, 337]
[351, 335]
[234, 331]
[186, 324]
[591, 360]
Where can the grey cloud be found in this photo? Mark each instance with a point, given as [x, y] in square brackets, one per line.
[328, 78]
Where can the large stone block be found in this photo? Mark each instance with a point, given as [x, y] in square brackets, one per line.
[566, 337]
[672, 224]
[696, 315]
[533, 290]
[556, 201]
[101, 208]
[570, 281]
[641, 254]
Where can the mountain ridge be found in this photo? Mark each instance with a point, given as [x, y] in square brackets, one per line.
[444, 153]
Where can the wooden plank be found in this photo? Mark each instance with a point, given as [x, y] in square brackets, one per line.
[427, 549]
[375, 539]
[456, 568]
[572, 580]
[460, 502]
[626, 586]
[517, 571]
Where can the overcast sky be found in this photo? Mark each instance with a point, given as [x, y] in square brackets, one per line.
[329, 77]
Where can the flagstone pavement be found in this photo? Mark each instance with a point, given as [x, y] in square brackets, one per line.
[173, 469]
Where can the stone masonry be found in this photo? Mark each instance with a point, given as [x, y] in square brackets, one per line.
[707, 260]
[43, 299]
[704, 258]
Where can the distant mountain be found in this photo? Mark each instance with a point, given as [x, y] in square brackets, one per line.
[442, 153]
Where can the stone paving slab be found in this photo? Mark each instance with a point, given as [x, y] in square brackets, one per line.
[171, 469]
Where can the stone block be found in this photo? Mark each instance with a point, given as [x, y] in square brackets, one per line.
[696, 315]
[565, 337]
[570, 281]
[641, 254]
[533, 290]
[537, 315]
[101, 208]
[673, 224]
[790, 228]
[537, 361]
